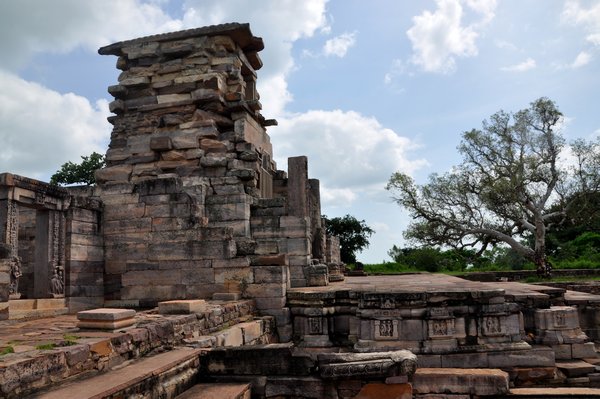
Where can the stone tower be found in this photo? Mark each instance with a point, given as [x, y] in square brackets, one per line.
[193, 202]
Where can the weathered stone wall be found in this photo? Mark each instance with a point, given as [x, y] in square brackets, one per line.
[84, 246]
[26, 250]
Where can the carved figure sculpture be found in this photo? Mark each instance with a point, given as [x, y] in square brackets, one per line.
[57, 282]
[15, 273]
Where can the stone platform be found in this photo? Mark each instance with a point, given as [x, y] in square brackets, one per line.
[450, 322]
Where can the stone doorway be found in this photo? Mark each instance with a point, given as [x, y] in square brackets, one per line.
[32, 233]
[39, 252]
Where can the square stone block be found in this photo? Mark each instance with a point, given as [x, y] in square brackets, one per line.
[183, 306]
[106, 314]
[106, 324]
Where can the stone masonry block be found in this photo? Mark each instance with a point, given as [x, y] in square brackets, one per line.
[187, 306]
[161, 144]
[461, 381]
[270, 274]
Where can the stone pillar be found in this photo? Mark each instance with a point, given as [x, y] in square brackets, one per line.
[317, 230]
[41, 275]
[298, 186]
[5, 265]
[9, 224]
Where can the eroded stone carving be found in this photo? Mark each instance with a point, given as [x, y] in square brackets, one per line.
[386, 329]
[57, 282]
[15, 274]
[377, 364]
[315, 325]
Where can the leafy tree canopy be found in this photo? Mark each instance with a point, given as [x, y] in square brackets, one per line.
[353, 234]
[511, 187]
[82, 173]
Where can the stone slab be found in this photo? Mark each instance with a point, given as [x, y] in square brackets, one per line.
[555, 392]
[378, 391]
[183, 306]
[109, 383]
[107, 314]
[227, 296]
[461, 381]
[106, 324]
[220, 390]
[575, 368]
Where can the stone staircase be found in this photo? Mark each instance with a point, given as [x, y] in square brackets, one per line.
[164, 375]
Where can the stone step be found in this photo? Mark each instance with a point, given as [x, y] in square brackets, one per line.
[461, 381]
[32, 304]
[554, 393]
[166, 375]
[217, 390]
[36, 313]
[575, 368]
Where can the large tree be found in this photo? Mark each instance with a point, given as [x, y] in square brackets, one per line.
[353, 234]
[511, 187]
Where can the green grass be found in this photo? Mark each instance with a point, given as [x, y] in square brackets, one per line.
[561, 279]
[45, 347]
[7, 350]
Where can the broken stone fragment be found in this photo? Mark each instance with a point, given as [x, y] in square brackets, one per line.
[243, 174]
[135, 81]
[377, 364]
[210, 145]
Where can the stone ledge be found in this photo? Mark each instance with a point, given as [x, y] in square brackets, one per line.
[461, 381]
[123, 382]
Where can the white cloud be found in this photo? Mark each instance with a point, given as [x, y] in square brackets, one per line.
[594, 38]
[339, 45]
[583, 58]
[503, 44]
[28, 27]
[398, 68]
[526, 65]
[574, 13]
[439, 37]
[42, 129]
[348, 152]
[279, 23]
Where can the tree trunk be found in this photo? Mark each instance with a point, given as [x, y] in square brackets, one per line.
[542, 264]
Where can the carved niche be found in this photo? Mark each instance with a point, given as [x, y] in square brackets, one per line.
[492, 326]
[385, 330]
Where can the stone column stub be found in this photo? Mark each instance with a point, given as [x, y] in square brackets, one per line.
[298, 186]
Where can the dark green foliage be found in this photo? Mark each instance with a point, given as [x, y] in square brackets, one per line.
[353, 233]
[433, 259]
[82, 173]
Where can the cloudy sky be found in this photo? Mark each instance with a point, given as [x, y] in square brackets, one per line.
[362, 88]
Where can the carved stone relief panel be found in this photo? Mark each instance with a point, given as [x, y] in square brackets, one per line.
[440, 328]
[492, 326]
[385, 330]
[560, 320]
[315, 325]
[12, 226]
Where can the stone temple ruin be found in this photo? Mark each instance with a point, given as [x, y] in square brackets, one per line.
[192, 215]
